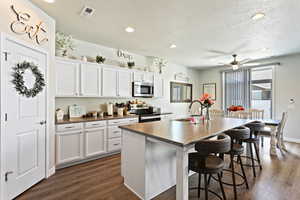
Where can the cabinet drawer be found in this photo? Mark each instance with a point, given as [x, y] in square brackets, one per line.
[68, 127]
[132, 121]
[114, 132]
[114, 144]
[115, 122]
[95, 124]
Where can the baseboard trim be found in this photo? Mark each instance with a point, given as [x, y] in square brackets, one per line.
[129, 188]
[294, 140]
[51, 172]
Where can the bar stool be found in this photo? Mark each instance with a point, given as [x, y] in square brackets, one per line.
[237, 136]
[255, 128]
[205, 163]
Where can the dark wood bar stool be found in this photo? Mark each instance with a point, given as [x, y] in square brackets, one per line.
[255, 128]
[206, 162]
[237, 136]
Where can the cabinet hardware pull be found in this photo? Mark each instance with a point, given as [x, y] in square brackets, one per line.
[6, 175]
[69, 127]
[116, 144]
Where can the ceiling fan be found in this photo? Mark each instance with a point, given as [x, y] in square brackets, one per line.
[235, 64]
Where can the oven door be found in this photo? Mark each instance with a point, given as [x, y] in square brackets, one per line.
[141, 89]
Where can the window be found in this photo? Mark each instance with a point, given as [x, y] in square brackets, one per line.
[261, 90]
[250, 88]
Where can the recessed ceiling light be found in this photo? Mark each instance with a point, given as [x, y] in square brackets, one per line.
[172, 46]
[264, 49]
[258, 16]
[49, 1]
[129, 29]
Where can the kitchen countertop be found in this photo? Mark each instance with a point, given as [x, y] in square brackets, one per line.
[90, 119]
[183, 133]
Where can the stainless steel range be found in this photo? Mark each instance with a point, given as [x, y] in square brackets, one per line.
[147, 114]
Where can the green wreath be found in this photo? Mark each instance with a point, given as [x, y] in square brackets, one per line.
[18, 80]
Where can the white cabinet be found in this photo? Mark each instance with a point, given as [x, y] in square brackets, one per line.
[143, 77]
[138, 76]
[69, 146]
[90, 80]
[124, 83]
[67, 78]
[109, 82]
[95, 141]
[148, 77]
[158, 86]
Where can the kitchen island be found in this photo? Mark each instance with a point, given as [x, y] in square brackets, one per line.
[155, 154]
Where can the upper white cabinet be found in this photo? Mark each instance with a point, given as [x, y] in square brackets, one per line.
[124, 83]
[90, 80]
[143, 77]
[138, 76]
[67, 78]
[158, 86]
[109, 82]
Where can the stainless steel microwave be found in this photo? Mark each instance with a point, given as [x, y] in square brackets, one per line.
[142, 89]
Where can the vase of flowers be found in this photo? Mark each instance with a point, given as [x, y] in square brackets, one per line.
[206, 102]
[63, 43]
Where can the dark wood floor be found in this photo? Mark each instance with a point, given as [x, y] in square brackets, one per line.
[101, 180]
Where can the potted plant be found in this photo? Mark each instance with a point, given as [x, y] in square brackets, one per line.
[63, 44]
[100, 59]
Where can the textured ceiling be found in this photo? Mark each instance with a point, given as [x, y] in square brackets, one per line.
[197, 27]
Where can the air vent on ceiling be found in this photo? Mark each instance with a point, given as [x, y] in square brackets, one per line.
[87, 11]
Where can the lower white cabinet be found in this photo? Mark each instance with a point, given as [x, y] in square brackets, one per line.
[95, 141]
[69, 146]
[80, 141]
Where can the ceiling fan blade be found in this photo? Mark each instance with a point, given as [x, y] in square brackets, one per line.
[219, 52]
[245, 61]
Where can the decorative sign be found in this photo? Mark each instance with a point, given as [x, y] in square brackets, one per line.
[122, 54]
[22, 26]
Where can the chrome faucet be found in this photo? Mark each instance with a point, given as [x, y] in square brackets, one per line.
[192, 103]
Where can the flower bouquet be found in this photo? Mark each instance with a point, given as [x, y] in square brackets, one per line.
[206, 102]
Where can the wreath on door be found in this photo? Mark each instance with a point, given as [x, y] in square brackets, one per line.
[19, 83]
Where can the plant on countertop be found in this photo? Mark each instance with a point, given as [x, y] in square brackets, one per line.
[64, 42]
[100, 59]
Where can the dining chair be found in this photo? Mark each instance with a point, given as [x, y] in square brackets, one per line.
[257, 113]
[217, 113]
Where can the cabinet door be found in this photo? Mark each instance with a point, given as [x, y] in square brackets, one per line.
[158, 86]
[67, 78]
[124, 83]
[95, 141]
[138, 76]
[90, 80]
[69, 147]
[109, 82]
[148, 77]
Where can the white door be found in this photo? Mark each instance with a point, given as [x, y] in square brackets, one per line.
[109, 82]
[67, 78]
[90, 80]
[24, 127]
[124, 83]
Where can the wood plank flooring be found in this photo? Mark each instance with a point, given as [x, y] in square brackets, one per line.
[101, 180]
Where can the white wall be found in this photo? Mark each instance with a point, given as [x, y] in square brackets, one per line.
[6, 17]
[88, 49]
[286, 87]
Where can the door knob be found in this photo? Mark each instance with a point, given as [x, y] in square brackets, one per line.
[42, 122]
